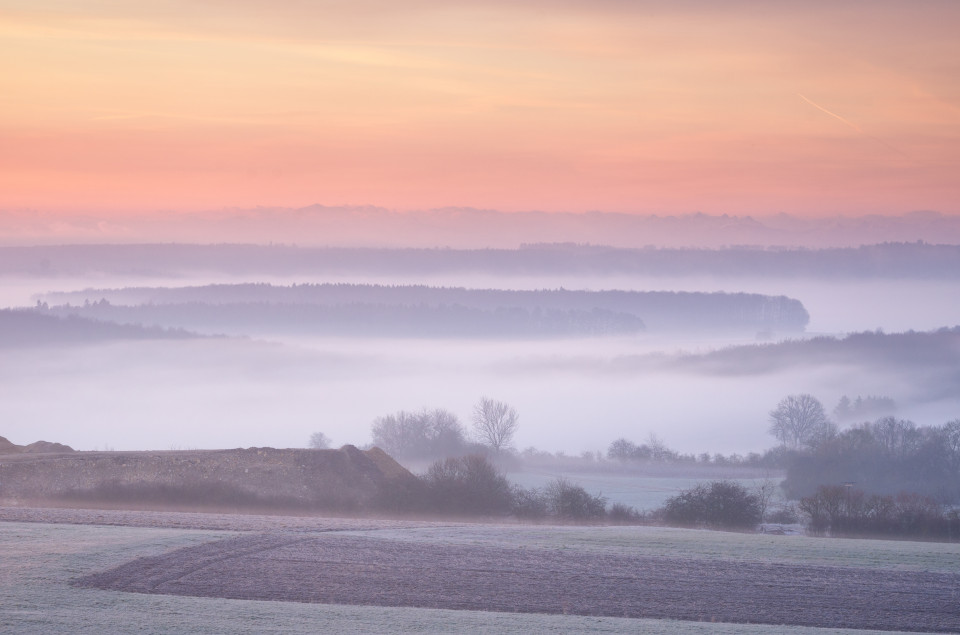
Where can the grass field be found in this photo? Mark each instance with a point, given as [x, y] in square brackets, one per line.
[39, 560]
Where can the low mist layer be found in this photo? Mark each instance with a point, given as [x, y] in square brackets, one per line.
[319, 225]
[575, 396]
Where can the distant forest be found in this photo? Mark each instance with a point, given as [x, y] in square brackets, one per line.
[432, 311]
[358, 319]
[470, 228]
[27, 327]
[886, 260]
[938, 349]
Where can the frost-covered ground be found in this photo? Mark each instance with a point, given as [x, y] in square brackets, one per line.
[40, 559]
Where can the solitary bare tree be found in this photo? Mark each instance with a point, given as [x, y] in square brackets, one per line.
[495, 423]
[319, 441]
[800, 420]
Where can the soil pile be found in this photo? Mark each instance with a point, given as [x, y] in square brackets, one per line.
[6, 447]
[45, 447]
[347, 479]
[37, 447]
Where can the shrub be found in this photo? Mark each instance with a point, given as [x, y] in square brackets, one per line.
[529, 503]
[844, 511]
[468, 485]
[720, 504]
[624, 514]
[572, 502]
[785, 515]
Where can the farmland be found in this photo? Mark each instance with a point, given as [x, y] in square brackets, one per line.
[66, 568]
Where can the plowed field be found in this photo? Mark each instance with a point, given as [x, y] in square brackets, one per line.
[347, 569]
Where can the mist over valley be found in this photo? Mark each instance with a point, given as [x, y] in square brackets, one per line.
[433, 317]
[586, 359]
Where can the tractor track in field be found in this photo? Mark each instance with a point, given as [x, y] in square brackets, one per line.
[338, 568]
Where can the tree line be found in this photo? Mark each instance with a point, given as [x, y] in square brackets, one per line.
[27, 327]
[438, 433]
[612, 309]
[888, 259]
[472, 485]
[886, 456]
[359, 319]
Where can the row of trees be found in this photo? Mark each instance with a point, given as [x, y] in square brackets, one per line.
[847, 511]
[886, 456]
[471, 485]
[403, 320]
[800, 421]
[654, 449]
[864, 408]
[406, 308]
[437, 433]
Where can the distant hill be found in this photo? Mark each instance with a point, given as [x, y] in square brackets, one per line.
[433, 311]
[883, 260]
[917, 350]
[27, 327]
[463, 227]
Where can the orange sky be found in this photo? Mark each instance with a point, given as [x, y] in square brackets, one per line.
[759, 107]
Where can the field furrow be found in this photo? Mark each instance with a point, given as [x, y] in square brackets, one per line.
[332, 568]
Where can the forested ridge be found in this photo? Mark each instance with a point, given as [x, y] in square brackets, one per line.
[27, 327]
[884, 260]
[934, 349]
[418, 309]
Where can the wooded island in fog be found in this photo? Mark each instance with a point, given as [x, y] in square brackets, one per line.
[429, 311]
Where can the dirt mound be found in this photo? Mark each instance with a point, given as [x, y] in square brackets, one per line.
[6, 447]
[45, 447]
[347, 479]
[37, 447]
[387, 465]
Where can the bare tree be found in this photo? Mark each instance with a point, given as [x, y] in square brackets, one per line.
[319, 441]
[417, 435]
[800, 420]
[622, 450]
[495, 423]
[764, 491]
[951, 437]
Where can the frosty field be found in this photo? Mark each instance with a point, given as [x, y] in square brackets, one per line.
[40, 562]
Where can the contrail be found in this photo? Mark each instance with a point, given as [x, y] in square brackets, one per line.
[852, 125]
[832, 114]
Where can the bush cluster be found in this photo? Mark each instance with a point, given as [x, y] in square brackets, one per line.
[472, 486]
[654, 450]
[845, 511]
[468, 485]
[720, 504]
[887, 456]
[426, 434]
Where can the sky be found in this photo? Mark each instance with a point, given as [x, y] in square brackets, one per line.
[744, 107]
